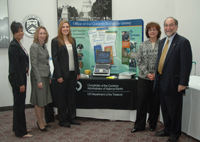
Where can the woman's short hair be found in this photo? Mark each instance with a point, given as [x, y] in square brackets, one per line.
[149, 26]
[37, 34]
[15, 26]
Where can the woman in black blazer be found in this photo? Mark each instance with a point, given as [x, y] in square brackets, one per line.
[18, 69]
[66, 72]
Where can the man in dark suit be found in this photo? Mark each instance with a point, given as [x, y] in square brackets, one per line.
[172, 75]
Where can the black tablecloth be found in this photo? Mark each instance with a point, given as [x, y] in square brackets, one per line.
[102, 93]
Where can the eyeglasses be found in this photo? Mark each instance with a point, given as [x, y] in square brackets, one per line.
[150, 30]
[170, 25]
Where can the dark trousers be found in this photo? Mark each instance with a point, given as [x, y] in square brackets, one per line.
[146, 98]
[19, 120]
[49, 113]
[48, 109]
[171, 106]
[66, 97]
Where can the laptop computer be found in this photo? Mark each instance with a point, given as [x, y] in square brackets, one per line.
[102, 66]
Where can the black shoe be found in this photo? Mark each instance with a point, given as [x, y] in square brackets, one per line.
[44, 129]
[151, 129]
[161, 134]
[50, 121]
[134, 130]
[75, 122]
[172, 139]
[47, 126]
[66, 124]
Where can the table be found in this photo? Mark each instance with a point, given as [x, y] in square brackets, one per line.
[102, 93]
[127, 112]
[114, 99]
[191, 108]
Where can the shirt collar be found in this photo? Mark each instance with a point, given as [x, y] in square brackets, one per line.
[171, 38]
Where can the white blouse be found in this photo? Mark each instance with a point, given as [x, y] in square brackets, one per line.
[71, 57]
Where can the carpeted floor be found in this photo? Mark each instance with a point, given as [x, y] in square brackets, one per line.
[90, 130]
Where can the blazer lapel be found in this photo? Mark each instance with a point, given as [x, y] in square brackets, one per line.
[65, 47]
[46, 51]
[161, 47]
[26, 53]
[172, 47]
[41, 48]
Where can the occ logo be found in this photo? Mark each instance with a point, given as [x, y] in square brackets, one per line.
[79, 86]
[30, 24]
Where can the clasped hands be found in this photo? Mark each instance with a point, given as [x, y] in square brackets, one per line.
[151, 76]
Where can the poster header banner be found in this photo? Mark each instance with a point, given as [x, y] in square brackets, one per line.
[119, 23]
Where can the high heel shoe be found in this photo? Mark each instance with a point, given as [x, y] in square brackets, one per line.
[44, 129]
[29, 131]
[27, 136]
[47, 126]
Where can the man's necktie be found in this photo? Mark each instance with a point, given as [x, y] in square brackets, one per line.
[162, 57]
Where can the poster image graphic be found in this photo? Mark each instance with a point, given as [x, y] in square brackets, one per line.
[4, 25]
[125, 55]
[80, 56]
[133, 64]
[84, 10]
[125, 47]
[80, 47]
[133, 49]
[81, 65]
[109, 48]
[125, 36]
[96, 49]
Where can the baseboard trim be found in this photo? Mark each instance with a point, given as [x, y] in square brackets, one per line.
[11, 107]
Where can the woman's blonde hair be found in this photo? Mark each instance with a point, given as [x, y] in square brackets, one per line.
[60, 35]
[37, 34]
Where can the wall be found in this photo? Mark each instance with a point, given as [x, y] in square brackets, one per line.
[187, 13]
[17, 10]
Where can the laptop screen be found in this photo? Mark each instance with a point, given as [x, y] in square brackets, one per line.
[103, 57]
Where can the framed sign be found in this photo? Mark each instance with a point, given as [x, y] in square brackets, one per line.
[4, 25]
[84, 10]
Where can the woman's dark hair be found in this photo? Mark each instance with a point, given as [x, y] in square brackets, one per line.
[151, 25]
[15, 26]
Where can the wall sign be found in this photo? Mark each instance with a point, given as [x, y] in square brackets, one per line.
[30, 24]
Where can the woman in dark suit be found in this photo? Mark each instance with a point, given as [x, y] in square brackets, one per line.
[66, 72]
[40, 75]
[18, 70]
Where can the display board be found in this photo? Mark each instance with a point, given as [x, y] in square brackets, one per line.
[120, 37]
